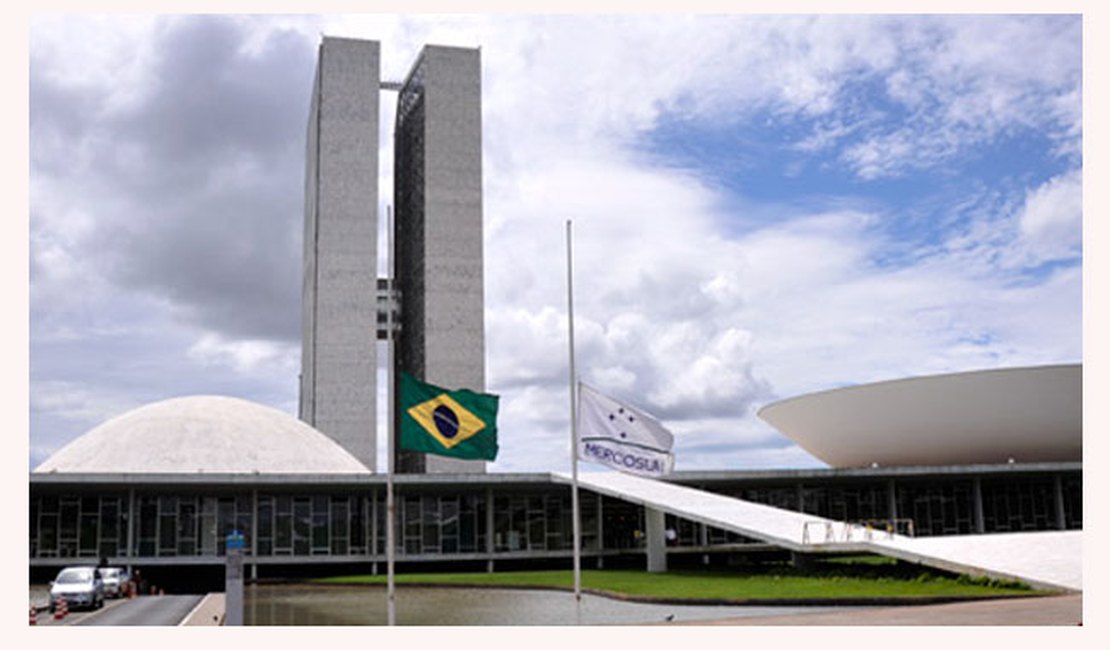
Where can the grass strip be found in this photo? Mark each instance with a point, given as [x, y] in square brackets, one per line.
[849, 581]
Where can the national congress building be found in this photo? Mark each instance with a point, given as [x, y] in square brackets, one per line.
[159, 488]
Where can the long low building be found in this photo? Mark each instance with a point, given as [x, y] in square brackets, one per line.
[161, 487]
[296, 521]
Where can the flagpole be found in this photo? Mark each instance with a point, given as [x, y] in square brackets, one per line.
[574, 438]
[390, 508]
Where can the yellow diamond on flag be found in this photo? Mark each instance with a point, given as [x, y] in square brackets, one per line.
[446, 420]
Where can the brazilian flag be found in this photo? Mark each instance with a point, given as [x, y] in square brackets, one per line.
[456, 423]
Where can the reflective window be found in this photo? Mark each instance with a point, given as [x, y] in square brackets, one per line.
[431, 522]
[1019, 505]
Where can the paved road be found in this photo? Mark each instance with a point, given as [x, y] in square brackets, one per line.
[75, 616]
[1050, 610]
[148, 610]
[153, 610]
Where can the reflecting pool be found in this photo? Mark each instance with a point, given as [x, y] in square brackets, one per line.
[345, 605]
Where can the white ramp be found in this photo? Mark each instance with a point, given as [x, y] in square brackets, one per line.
[1051, 559]
[1046, 559]
[792, 530]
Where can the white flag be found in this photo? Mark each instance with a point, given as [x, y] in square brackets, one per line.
[620, 436]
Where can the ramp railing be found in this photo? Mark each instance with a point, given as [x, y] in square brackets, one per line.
[851, 531]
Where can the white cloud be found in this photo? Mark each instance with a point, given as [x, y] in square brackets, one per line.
[250, 356]
[865, 323]
[686, 304]
[1051, 220]
[80, 402]
[62, 410]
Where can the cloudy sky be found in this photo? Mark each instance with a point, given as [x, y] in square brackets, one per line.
[763, 207]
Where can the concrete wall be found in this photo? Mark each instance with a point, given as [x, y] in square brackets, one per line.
[338, 376]
[439, 230]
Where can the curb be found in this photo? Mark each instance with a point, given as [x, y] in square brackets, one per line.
[212, 605]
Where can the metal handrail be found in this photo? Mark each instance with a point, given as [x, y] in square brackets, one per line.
[869, 526]
[890, 526]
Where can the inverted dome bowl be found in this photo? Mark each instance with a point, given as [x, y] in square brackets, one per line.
[989, 416]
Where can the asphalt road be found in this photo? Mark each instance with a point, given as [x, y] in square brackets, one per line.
[1050, 610]
[148, 610]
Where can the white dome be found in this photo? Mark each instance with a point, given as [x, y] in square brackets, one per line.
[203, 434]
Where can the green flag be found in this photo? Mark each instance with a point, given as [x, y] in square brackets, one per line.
[456, 423]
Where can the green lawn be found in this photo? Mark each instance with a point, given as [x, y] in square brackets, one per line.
[866, 578]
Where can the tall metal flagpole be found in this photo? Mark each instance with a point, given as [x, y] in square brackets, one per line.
[574, 438]
[390, 509]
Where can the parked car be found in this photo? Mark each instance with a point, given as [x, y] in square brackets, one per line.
[80, 587]
[115, 581]
[124, 583]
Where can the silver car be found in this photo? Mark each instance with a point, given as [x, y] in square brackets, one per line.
[79, 587]
[114, 581]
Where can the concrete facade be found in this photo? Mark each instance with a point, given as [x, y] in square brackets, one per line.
[172, 524]
[438, 226]
[438, 234]
[338, 379]
[1027, 415]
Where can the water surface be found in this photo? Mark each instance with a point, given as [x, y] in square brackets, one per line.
[349, 605]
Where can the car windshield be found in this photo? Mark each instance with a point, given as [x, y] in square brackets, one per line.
[109, 573]
[71, 577]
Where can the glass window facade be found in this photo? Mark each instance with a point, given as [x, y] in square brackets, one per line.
[409, 201]
[87, 527]
[433, 523]
[1072, 489]
[857, 502]
[538, 522]
[778, 496]
[1023, 505]
[937, 509]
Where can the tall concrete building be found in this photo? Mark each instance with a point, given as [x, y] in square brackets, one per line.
[437, 249]
[339, 313]
[438, 230]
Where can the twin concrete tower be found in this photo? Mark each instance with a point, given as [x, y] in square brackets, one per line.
[437, 232]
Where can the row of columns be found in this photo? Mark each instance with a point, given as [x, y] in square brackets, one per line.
[490, 546]
[654, 523]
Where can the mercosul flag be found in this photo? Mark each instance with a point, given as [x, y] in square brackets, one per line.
[621, 436]
[456, 423]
